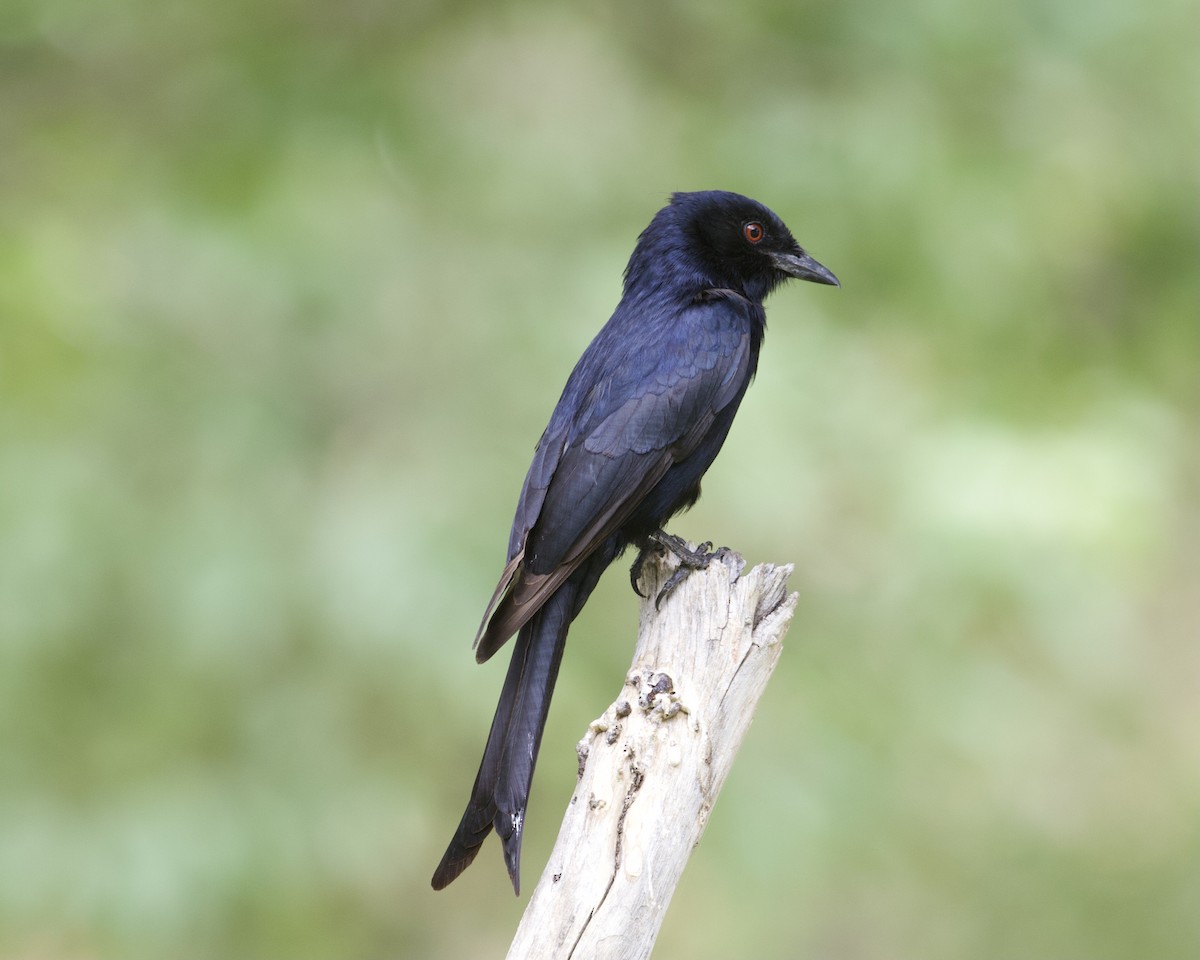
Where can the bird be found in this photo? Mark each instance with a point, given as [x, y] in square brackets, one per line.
[642, 416]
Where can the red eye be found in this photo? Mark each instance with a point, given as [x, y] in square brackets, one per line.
[753, 231]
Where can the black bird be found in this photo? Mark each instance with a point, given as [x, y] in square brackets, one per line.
[641, 418]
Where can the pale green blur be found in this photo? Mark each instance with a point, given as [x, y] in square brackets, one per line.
[287, 292]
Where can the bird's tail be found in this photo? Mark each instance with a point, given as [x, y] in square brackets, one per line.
[501, 790]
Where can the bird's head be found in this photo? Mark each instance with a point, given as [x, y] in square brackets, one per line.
[740, 244]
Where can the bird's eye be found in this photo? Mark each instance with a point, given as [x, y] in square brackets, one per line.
[753, 231]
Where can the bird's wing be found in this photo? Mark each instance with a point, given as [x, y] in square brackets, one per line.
[635, 423]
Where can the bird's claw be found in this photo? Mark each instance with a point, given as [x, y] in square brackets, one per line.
[635, 571]
[689, 560]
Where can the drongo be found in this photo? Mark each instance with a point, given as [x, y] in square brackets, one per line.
[642, 416]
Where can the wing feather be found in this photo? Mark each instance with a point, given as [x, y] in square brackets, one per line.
[588, 477]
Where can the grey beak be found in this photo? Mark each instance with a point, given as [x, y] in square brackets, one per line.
[803, 267]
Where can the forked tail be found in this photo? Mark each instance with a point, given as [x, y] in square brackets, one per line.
[501, 790]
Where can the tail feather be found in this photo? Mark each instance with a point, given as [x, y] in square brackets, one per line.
[501, 791]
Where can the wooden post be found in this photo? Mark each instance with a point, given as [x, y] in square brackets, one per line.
[651, 767]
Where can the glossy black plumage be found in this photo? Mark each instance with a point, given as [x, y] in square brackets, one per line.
[641, 418]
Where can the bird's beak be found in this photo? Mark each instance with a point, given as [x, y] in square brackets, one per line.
[803, 267]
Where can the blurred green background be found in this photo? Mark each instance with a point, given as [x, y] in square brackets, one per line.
[287, 292]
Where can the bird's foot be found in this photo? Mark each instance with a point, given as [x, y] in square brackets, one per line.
[689, 560]
[656, 545]
[635, 571]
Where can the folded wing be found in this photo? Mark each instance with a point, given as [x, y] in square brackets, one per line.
[593, 469]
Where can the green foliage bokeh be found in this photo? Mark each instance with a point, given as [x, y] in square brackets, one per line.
[287, 292]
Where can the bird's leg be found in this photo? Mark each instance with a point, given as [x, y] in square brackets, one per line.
[655, 545]
[689, 560]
